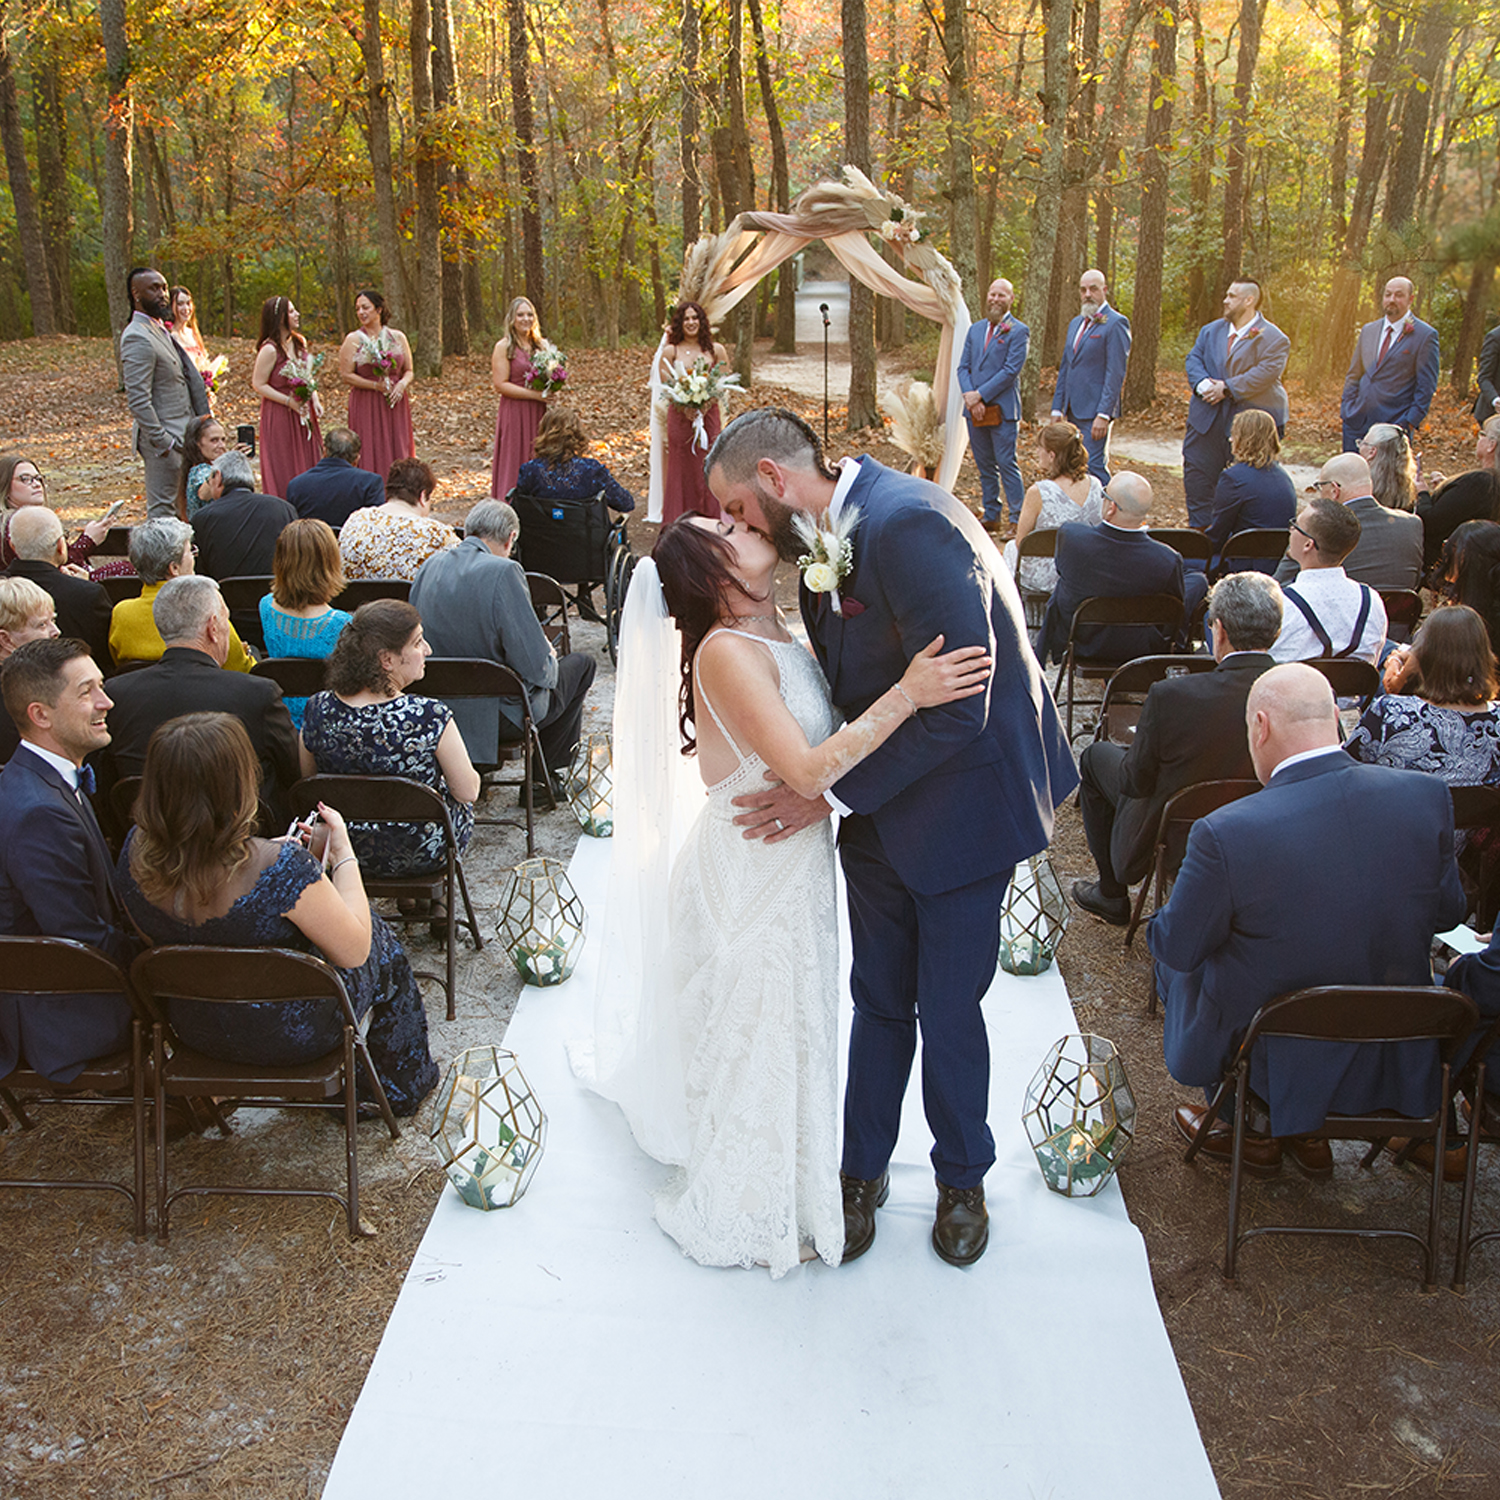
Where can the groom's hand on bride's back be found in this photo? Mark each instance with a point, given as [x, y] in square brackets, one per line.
[776, 812]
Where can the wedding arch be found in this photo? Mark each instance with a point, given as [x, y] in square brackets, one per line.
[719, 271]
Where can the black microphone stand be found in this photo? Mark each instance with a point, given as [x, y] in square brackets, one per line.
[823, 308]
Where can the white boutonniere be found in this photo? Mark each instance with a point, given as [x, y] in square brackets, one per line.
[829, 558]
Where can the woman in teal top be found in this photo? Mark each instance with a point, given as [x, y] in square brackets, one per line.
[296, 618]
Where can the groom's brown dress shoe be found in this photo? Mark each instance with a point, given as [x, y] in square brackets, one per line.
[962, 1229]
[862, 1196]
[1262, 1156]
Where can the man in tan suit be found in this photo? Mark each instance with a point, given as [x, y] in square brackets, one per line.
[162, 386]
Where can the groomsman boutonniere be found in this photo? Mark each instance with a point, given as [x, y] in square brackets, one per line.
[829, 558]
[1408, 323]
[1097, 316]
[1004, 328]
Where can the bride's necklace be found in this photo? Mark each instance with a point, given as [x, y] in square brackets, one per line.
[762, 619]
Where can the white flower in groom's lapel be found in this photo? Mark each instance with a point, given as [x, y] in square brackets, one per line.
[829, 558]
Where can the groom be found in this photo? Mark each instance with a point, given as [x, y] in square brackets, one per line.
[934, 821]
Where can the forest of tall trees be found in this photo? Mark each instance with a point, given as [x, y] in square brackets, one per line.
[459, 152]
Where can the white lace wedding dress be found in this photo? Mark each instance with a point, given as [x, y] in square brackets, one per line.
[755, 980]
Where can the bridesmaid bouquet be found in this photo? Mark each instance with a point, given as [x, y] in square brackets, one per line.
[381, 353]
[546, 371]
[303, 373]
[696, 389]
[212, 371]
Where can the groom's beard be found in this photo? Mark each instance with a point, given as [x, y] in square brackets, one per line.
[781, 532]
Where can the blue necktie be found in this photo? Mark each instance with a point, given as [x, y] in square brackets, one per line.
[86, 780]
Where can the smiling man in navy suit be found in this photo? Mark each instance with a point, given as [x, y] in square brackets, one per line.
[55, 870]
[934, 821]
[994, 352]
[1092, 371]
[1235, 365]
[1394, 369]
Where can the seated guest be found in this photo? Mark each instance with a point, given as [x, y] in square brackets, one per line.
[335, 487]
[193, 871]
[55, 870]
[1468, 572]
[160, 550]
[474, 602]
[236, 535]
[1389, 552]
[1116, 560]
[204, 442]
[562, 468]
[1472, 496]
[1393, 469]
[26, 614]
[83, 608]
[1191, 729]
[366, 724]
[21, 487]
[394, 540]
[1326, 613]
[1066, 492]
[189, 678]
[1438, 713]
[1293, 888]
[296, 618]
[1254, 491]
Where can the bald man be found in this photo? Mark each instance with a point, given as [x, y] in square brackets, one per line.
[1294, 887]
[83, 608]
[994, 352]
[1091, 370]
[1394, 369]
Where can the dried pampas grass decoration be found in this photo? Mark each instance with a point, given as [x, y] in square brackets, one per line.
[916, 426]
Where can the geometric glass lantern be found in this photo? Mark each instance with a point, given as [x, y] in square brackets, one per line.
[1033, 919]
[541, 921]
[1080, 1115]
[488, 1128]
[591, 785]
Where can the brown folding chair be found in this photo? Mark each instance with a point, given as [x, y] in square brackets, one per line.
[459, 680]
[1484, 1130]
[1477, 808]
[261, 977]
[62, 967]
[1349, 677]
[296, 676]
[1190, 544]
[1259, 544]
[121, 586]
[1164, 611]
[1125, 692]
[551, 606]
[394, 799]
[359, 591]
[1362, 1014]
[1403, 611]
[243, 594]
[1039, 543]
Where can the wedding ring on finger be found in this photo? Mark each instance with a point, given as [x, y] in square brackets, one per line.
[779, 826]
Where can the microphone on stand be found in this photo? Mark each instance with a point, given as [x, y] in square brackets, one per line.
[823, 308]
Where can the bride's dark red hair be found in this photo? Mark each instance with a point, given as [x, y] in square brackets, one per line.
[695, 566]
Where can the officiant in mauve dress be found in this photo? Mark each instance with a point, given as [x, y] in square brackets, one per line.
[375, 363]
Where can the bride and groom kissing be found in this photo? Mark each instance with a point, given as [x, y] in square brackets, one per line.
[946, 773]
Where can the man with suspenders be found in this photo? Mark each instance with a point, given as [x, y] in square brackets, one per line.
[1326, 613]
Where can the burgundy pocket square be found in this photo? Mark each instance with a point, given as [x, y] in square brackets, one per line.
[851, 607]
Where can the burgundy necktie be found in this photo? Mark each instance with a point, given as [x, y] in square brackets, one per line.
[1234, 333]
[1083, 328]
[988, 336]
[1385, 344]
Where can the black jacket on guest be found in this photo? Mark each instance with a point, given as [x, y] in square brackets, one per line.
[83, 607]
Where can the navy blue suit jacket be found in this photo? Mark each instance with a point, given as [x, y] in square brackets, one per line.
[1108, 562]
[1252, 373]
[1400, 389]
[1247, 498]
[961, 792]
[1089, 381]
[993, 372]
[55, 882]
[1298, 886]
[332, 490]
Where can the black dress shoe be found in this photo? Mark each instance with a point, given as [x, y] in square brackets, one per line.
[962, 1229]
[1113, 909]
[862, 1196]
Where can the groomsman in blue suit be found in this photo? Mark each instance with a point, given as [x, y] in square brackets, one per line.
[1235, 365]
[1394, 370]
[994, 352]
[1092, 371]
[934, 821]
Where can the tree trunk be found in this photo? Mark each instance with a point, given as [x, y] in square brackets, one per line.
[1350, 15]
[1252, 15]
[961, 188]
[785, 339]
[1425, 58]
[382, 173]
[119, 117]
[28, 221]
[863, 409]
[743, 167]
[1145, 321]
[453, 181]
[692, 182]
[1200, 293]
[427, 351]
[526, 167]
[1471, 330]
[53, 200]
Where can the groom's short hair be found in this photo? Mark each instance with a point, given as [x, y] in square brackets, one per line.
[768, 432]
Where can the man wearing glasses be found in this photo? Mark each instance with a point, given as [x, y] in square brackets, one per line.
[1389, 552]
[1326, 613]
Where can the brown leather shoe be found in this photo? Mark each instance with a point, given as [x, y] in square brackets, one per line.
[862, 1196]
[962, 1229]
[1311, 1156]
[1455, 1158]
[1262, 1156]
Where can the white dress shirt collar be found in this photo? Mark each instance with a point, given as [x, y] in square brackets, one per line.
[59, 763]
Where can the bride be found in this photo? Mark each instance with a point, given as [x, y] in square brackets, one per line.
[720, 1040]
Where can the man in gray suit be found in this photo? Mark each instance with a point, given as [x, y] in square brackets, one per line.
[162, 387]
[474, 601]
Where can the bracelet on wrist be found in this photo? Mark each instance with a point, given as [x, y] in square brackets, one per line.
[908, 698]
[348, 859]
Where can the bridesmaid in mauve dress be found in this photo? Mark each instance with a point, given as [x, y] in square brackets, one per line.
[379, 397]
[287, 446]
[520, 408]
[684, 484]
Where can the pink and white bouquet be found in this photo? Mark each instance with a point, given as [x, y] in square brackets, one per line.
[302, 372]
[546, 370]
[213, 372]
[698, 387]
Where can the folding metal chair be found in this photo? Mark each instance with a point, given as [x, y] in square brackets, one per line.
[296, 676]
[1162, 611]
[1125, 692]
[1403, 612]
[1039, 543]
[551, 606]
[359, 591]
[1190, 544]
[1259, 544]
[1349, 677]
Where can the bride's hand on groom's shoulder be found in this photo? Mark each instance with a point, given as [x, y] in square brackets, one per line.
[776, 812]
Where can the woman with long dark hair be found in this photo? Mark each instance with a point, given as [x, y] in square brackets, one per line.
[285, 380]
[375, 363]
[690, 345]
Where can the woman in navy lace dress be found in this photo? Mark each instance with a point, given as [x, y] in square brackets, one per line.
[192, 871]
[367, 725]
[562, 469]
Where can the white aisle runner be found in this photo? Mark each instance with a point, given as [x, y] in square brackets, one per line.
[566, 1348]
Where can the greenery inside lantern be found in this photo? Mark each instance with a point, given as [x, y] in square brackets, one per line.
[1080, 1115]
[590, 786]
[488, 1128]
[541, 921]
[1033, 919]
